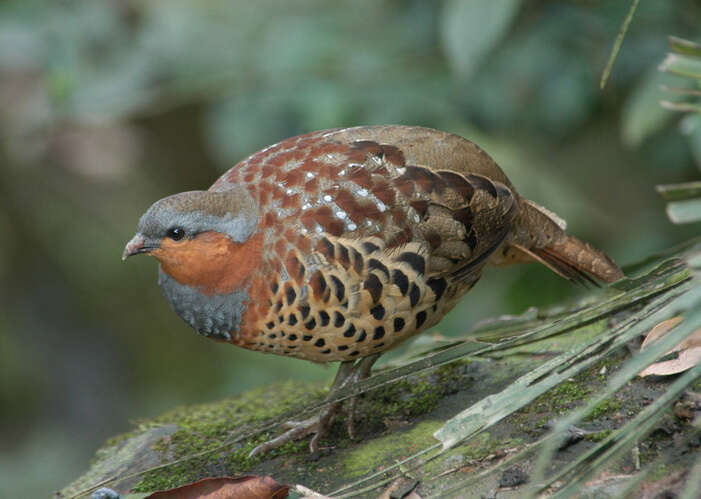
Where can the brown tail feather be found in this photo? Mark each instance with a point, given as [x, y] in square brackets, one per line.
[557, 265]
[539, 235]
[578, 261]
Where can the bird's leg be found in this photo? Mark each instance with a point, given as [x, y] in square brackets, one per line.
[363, 370]
[318, 425]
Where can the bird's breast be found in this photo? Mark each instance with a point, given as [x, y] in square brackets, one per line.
[211, 315]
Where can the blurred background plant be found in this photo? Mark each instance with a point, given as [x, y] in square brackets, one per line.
[106, 106]
[684, 60]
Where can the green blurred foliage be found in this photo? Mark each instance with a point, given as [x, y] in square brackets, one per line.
[684, 62]
[107, 106]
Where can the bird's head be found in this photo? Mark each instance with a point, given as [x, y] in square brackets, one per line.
[203, 239]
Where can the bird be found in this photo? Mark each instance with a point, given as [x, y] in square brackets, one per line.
[341, 244]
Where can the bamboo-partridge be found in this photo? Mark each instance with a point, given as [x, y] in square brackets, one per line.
[338, 245]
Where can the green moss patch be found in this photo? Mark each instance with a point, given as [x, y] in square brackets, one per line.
[206, 427]
[604, 408]
[395, 446]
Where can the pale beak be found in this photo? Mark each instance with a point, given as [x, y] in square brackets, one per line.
[135, 246]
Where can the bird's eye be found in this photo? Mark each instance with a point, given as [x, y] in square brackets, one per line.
[176, 233]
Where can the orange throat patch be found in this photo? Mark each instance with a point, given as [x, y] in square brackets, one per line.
[210, 262]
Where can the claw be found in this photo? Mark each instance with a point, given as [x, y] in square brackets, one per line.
[318, 425]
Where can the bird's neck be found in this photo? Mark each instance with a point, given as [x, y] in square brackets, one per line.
[216, 316]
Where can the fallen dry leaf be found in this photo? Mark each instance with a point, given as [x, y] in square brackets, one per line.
[660, 330]
[245, 487]
[689, 350]
[685, 360]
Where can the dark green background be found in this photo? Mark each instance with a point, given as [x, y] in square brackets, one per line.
[107, 106]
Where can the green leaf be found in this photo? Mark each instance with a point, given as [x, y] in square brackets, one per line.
[691, 127]
[677, 192]
[682, 65]
[694, 484]
[642, 113]
[685, 107]
[686, 211]
[471, 28]
[685, 47]
[681, 91]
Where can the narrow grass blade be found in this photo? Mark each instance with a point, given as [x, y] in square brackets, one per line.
[617, 44]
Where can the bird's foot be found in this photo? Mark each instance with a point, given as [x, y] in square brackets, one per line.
[319, 425]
